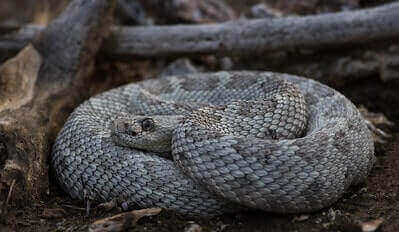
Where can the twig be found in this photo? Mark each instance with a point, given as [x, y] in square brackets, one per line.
[10, 192]
[4, 205]
[122, 221]
[74, 207]
[242, 37]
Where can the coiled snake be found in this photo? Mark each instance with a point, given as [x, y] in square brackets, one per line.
[264, 140]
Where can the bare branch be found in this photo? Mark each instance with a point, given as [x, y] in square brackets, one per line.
[238, 38]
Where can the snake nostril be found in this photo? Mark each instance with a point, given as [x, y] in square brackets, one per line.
[132, 133]
[130, 130]
[119, 126]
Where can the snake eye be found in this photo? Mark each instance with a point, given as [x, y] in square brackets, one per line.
[147, 124]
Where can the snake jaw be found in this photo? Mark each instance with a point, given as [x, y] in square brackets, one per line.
[148, 133]
[123, 125]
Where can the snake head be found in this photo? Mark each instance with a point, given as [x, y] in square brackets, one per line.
[149, 133]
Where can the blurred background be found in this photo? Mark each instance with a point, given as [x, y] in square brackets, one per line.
[25, 11]
[148, 11]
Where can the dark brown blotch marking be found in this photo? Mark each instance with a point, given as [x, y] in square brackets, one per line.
[322, 140]
[340, 143]
[311, 99]
[237, 82]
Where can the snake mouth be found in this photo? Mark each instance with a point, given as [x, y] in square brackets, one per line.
[131, 133]
[121, 126]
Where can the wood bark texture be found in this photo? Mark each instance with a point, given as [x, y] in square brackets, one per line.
[241, 37]
[39, 88]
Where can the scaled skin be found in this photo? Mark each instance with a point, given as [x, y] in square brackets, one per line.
[212, 172]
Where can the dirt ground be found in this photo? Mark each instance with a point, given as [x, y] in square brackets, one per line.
[376, 199]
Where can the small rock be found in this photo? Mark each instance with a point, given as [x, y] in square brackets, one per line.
[178, 67]
[226, 63]
[332, 214]
[262, 10]
[193, 227]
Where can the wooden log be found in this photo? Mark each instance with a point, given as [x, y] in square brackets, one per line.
[39, 88]
[242, 38]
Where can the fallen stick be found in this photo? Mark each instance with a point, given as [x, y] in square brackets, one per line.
[122, 221]
[239, 38]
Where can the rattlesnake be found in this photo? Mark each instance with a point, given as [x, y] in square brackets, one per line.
[299, 155]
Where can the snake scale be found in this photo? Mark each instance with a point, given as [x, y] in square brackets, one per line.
[243, 139]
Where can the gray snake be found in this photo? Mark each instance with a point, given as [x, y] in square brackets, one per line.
[294, 159]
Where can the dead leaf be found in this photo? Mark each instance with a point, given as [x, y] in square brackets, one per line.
[122, 221]
[371, 226]
[300, 218]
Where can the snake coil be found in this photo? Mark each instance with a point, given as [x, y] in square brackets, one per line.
[213, 173]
